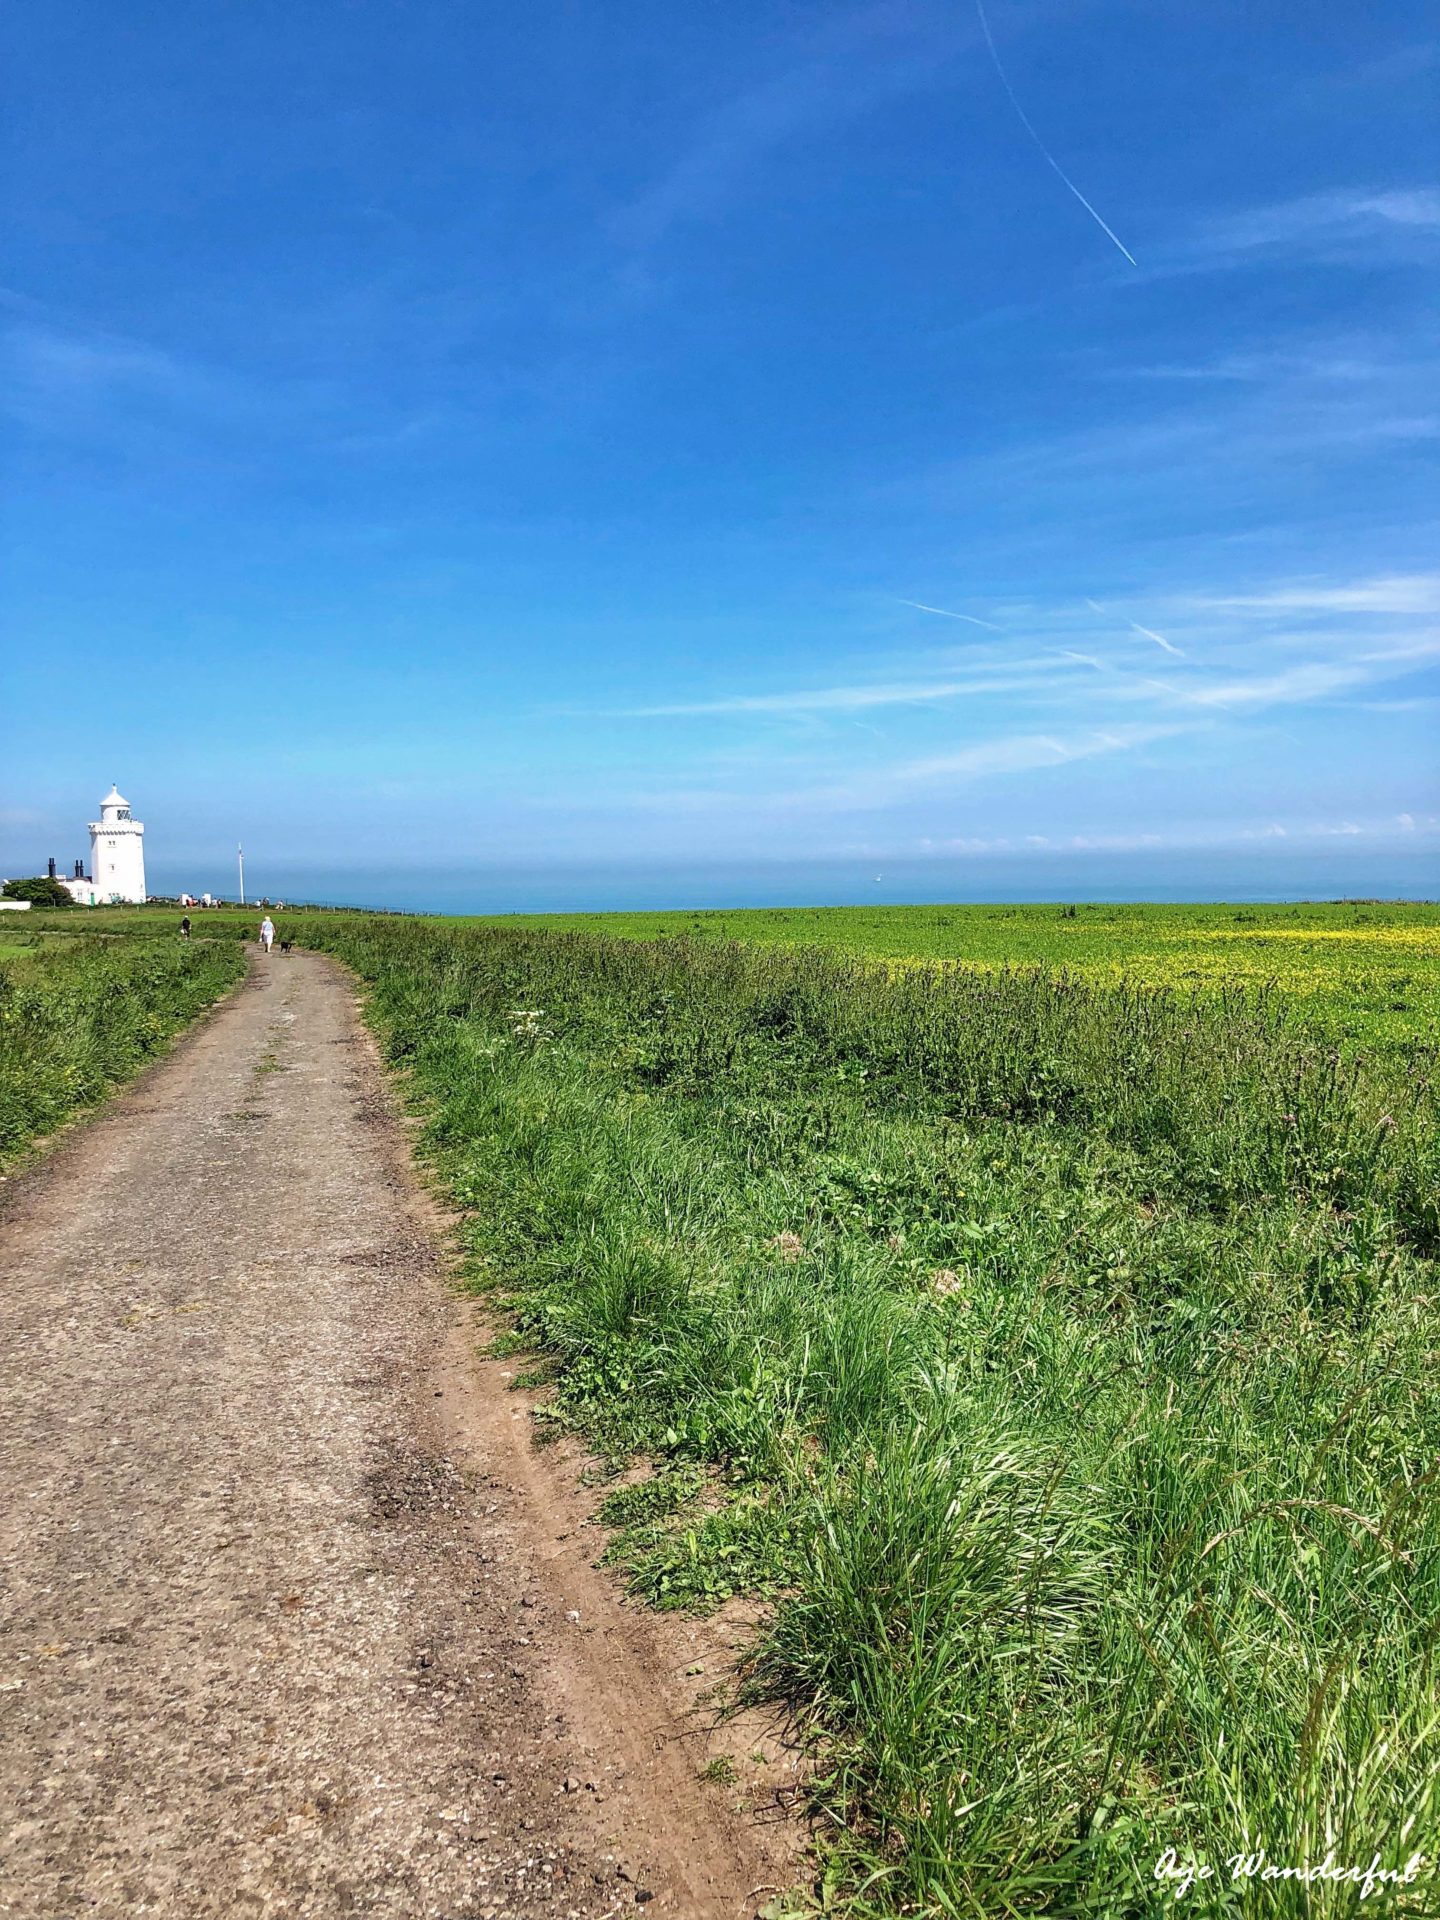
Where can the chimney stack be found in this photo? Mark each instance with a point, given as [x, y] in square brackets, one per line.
[52, 866]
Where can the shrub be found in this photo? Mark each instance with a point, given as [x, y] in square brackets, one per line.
[41, 891]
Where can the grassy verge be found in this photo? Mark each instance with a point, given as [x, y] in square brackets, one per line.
[1060, 1361]
[80, 1014]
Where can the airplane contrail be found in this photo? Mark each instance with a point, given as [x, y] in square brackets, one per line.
[1159, 639]
[1135, 627]
[1025, 122]
[946, 614]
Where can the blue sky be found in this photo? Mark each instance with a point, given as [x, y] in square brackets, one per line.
[553, 444]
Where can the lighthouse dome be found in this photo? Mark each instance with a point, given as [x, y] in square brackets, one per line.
[114, 802]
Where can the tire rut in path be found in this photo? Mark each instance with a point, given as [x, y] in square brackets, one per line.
[283, 1627]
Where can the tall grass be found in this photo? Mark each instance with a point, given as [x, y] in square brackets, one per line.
[1368, 972]
[1060, 1361]
[80, 1015]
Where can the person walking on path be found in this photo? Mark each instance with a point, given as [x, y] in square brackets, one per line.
[267, 933]
[185, 927]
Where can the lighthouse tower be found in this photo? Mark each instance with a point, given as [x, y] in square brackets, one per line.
[117, 852]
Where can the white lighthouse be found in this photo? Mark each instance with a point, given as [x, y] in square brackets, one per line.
[117, 852]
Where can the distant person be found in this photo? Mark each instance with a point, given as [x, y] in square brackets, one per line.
[185, 926]
[267, 933]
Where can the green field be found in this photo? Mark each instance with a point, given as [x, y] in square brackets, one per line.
[1367, 970]
[1053, 1362]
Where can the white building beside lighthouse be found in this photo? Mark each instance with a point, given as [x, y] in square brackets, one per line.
[117, 853]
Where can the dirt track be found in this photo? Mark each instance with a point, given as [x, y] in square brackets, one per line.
[293, 1621]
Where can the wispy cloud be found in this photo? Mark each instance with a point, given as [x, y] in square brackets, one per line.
[55, 366]
[1387, 593]
[946, 613]
[848, 699]
[1146, 633]
[1315, 680]
[1024, 752]
[1058, 689]
[1393, 828]
[926, 779]
[1239, 658]
[60, 373]
[1349, 366]
[1102, 479]
[860, 59]
[1337, 223]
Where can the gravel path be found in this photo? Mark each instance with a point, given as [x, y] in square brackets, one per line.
[287, 1625]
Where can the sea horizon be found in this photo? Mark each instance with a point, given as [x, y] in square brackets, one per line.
[1150, 877]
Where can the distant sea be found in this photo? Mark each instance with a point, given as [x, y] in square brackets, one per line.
[1327, 873]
